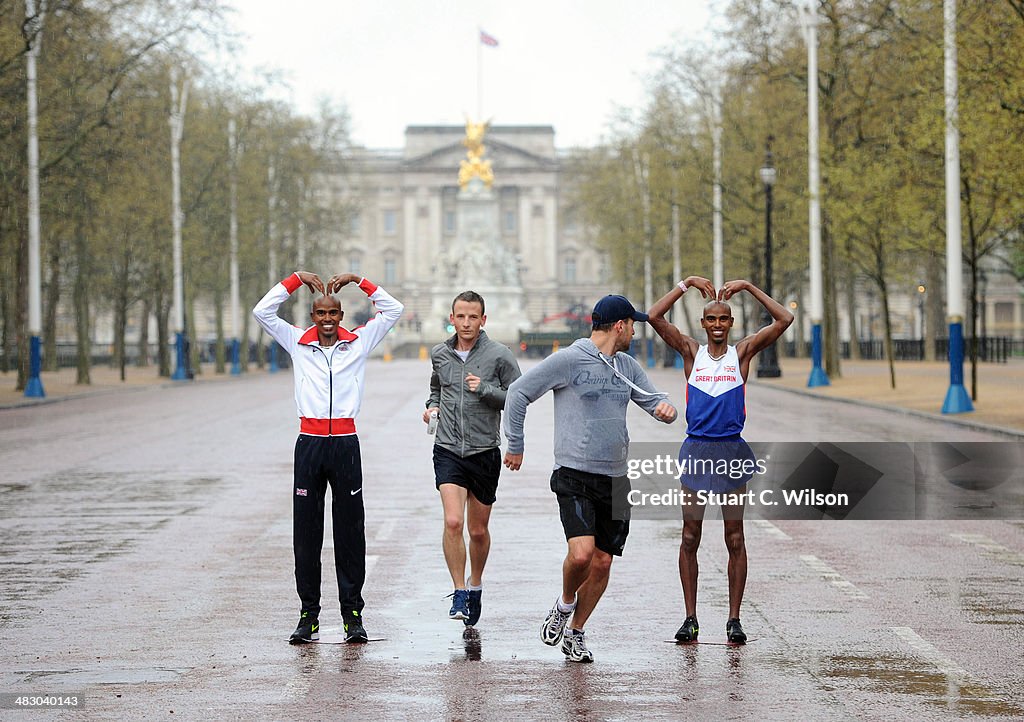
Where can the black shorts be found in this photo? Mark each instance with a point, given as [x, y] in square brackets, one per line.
[585, 503]
[476, 473]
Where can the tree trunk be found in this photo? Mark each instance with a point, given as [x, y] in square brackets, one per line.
[888, 334]
[243, 344]
[121, 317]
[5, 331]
[195, 366]
[851, 314]
[51, 297]
[218, 305]
[933, 314]
[972, 322]
[830, 323]
[801, 342]
[143, 358]
[21, 310]
[83, 345]
[163, 312]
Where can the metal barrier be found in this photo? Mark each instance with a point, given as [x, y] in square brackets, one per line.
[994, 349]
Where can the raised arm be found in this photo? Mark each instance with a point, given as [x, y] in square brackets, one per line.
[265, 311]
[763, 337]
[670, 334]
[389, 310]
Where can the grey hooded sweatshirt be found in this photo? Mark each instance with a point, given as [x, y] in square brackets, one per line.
[591, 394]
[469, 421]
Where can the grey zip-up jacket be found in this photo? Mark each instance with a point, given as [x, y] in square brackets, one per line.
[591, 392]
[470, 422]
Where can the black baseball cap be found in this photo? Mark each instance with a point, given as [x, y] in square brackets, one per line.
[613, 308]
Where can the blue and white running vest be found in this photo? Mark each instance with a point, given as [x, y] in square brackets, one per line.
[715, 396]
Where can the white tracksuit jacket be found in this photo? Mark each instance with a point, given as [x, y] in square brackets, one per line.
[328, 380]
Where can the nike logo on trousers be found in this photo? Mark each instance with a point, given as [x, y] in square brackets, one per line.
[353, 493]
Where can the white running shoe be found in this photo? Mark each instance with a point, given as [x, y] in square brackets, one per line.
[554, 625]
[574, 647]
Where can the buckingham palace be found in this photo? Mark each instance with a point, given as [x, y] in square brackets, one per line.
[403, 229]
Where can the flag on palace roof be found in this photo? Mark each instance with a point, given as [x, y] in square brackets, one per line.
[488, 39]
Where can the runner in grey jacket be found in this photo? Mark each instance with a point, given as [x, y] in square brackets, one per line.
[469, 421]
[470, 376]
[593, 383]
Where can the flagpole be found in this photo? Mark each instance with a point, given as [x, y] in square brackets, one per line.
[479, 76]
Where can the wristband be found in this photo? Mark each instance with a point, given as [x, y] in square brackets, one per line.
[682, 286]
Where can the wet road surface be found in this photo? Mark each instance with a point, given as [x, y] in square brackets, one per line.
[145, 558]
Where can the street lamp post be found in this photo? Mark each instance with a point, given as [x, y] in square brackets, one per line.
[236, 366]
[957, 401]
[768, 361]
[982, 312]
[34, 383]
[272, 366]
[809, 20]
[179, 101]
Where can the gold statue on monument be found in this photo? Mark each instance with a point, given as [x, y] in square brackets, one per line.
[475, 166]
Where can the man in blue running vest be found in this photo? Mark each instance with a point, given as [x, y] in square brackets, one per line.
[716, 374]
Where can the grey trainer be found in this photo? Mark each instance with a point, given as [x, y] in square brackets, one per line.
[574, 647]
[554, 625]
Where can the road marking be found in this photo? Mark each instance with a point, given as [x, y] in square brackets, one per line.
[992, 549]
[385, 530]
[832, 576]
[769, 529]
[944, 664]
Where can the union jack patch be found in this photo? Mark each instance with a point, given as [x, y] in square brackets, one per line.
[301, 492]
[731, 369]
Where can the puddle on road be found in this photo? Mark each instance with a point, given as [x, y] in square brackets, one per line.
[891, 674]
[984, 599]
[985, 609]
[54, 528]
[107, 676]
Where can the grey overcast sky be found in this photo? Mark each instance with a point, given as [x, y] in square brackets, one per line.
[565, 63]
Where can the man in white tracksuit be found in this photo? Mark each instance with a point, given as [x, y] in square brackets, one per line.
[329, 364]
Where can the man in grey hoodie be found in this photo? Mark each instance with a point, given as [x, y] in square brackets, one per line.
[471, 374]
[593, 382]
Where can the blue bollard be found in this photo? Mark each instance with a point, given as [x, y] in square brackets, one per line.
[34, 385]
[818, 376]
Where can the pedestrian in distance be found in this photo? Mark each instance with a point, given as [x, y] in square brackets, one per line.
[716, 374]
[593, 381]
[329, 364]
[470, 376]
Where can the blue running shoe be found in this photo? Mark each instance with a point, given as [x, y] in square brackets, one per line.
[474, 607]
[460, 604]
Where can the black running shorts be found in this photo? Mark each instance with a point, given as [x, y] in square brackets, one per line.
[477, 473]
[585, 504]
